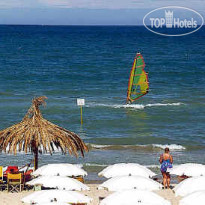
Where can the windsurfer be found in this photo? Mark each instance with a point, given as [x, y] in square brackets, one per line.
[138, 85]
[129, 101]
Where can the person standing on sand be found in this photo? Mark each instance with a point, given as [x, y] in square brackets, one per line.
[166, 161]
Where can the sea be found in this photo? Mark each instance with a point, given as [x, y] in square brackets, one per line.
[93, 63]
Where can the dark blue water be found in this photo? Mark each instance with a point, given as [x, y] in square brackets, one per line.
[66, 63]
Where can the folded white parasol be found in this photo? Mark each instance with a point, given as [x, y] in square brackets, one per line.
[58, 182]
[190, 185]
[189, 169]
[125, 169]
[130, 182]
[196, 198]
[134, 197]
[59, 170]
[57, 196]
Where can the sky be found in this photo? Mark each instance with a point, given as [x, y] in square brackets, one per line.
[85, 12]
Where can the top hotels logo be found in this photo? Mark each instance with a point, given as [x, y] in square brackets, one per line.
[169, 18]
[173, 21]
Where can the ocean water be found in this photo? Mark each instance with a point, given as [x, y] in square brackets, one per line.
[93, 62]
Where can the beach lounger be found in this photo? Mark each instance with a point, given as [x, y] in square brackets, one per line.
[181, 178]
[1, 174]
[79, 178]
[2, 184]
[15, 182]
[12, 169]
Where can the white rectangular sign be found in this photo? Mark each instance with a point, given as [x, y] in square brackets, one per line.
[80, 102]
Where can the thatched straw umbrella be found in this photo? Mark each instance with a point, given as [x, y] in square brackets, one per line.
[34, 134]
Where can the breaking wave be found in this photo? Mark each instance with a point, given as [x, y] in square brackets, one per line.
[95, 165]
[171, 146]
[134, 106]
[138, 146]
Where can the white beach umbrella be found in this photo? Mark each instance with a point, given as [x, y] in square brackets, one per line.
[196, 198]
[130, 182]
[189, 169]
[190, 185]
[125, 169]
[134, 197]
[58, 196]
[59, 170]
[61, 183]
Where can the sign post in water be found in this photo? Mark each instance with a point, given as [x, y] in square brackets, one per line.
[81, 103]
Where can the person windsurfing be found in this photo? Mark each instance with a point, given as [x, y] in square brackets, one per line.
[138, 85]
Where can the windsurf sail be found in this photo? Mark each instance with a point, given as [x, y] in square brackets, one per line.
[138, 85]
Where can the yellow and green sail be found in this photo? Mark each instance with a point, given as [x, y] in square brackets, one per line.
[138, 83]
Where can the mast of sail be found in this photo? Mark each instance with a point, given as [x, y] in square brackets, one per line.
[131, 81]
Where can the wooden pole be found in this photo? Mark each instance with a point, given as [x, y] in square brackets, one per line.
[36, 159]
[81, 114]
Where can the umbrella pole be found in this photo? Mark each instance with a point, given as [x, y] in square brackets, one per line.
[36, 159]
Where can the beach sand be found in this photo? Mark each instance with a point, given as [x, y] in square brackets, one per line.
[15, 198]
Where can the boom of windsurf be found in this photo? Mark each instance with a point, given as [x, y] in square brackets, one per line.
[138, 85]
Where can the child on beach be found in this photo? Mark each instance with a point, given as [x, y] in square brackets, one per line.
[166, 161]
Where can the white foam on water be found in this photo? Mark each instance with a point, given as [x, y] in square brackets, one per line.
[98, 146]
[95, 165]
[153, 166]
[163, 104]
[171, 146]
[160, 146]
[105, 165]
[134, 106]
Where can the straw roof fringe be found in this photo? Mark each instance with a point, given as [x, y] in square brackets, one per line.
[35, 132]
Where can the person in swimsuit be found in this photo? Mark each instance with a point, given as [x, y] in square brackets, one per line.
[166, 161]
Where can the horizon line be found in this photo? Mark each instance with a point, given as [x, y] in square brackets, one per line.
[77, 25]
[71, 25]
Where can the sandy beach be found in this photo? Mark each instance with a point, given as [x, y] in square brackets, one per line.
[15, 198]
